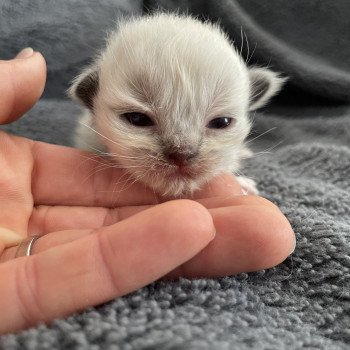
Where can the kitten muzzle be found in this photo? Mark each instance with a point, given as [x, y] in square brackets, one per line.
[180, 158]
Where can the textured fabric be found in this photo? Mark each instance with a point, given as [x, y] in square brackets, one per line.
[302, 164]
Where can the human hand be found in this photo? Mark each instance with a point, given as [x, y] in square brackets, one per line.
[99, 241]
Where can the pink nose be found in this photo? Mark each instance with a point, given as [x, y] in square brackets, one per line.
[180, 158]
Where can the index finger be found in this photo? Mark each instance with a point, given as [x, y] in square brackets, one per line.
[68, 176]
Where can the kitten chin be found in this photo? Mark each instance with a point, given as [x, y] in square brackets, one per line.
[175, 186]
[168, 100]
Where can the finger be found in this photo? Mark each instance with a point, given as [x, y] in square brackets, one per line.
[251, 236]
[265, 224]
[221, 202]
[47, 219]
[67, 176]
[22, 83]
[50, 221]
[224, 185]
[116, 260]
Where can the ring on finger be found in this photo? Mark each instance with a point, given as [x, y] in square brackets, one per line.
[26, 246]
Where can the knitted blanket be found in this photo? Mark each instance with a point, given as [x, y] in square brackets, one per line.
[302, 164]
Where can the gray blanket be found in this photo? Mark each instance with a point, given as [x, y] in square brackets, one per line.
[302, 164]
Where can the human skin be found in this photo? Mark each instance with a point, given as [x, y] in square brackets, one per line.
[98, 241]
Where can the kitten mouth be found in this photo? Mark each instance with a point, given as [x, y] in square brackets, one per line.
[183, 172]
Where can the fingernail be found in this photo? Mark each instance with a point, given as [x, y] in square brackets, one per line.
[25, 53]
[294, 246]
[9, 237]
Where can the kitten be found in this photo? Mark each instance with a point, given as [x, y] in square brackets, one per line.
[168, 98]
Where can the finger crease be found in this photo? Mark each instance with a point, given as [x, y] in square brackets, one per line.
[112, 216]
[101, 250]
[26, 289]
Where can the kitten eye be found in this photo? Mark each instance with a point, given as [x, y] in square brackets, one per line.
[138, 119]
[220, 123]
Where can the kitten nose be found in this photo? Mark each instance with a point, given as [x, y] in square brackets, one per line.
[180, 158]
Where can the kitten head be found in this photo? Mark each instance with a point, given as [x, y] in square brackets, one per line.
[170, 97]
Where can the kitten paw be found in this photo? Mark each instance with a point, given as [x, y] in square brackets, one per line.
[248, 185]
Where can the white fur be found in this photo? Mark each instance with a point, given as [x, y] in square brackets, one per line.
[182, 73]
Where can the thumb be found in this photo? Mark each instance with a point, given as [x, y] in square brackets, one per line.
[22, 83]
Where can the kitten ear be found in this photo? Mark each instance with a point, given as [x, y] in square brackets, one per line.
[264, 84]
[85, 87]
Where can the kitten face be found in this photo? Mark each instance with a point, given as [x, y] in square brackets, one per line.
[170, 97]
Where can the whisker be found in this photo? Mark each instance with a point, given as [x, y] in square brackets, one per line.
[251, 56]
[115, 155]
[93, 172]
[98, 133]
[246, 38]
[268, 150]
[262, 134]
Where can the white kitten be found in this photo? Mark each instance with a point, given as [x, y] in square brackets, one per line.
[169, 98]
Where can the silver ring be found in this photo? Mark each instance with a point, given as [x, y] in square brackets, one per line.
[26, 246]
